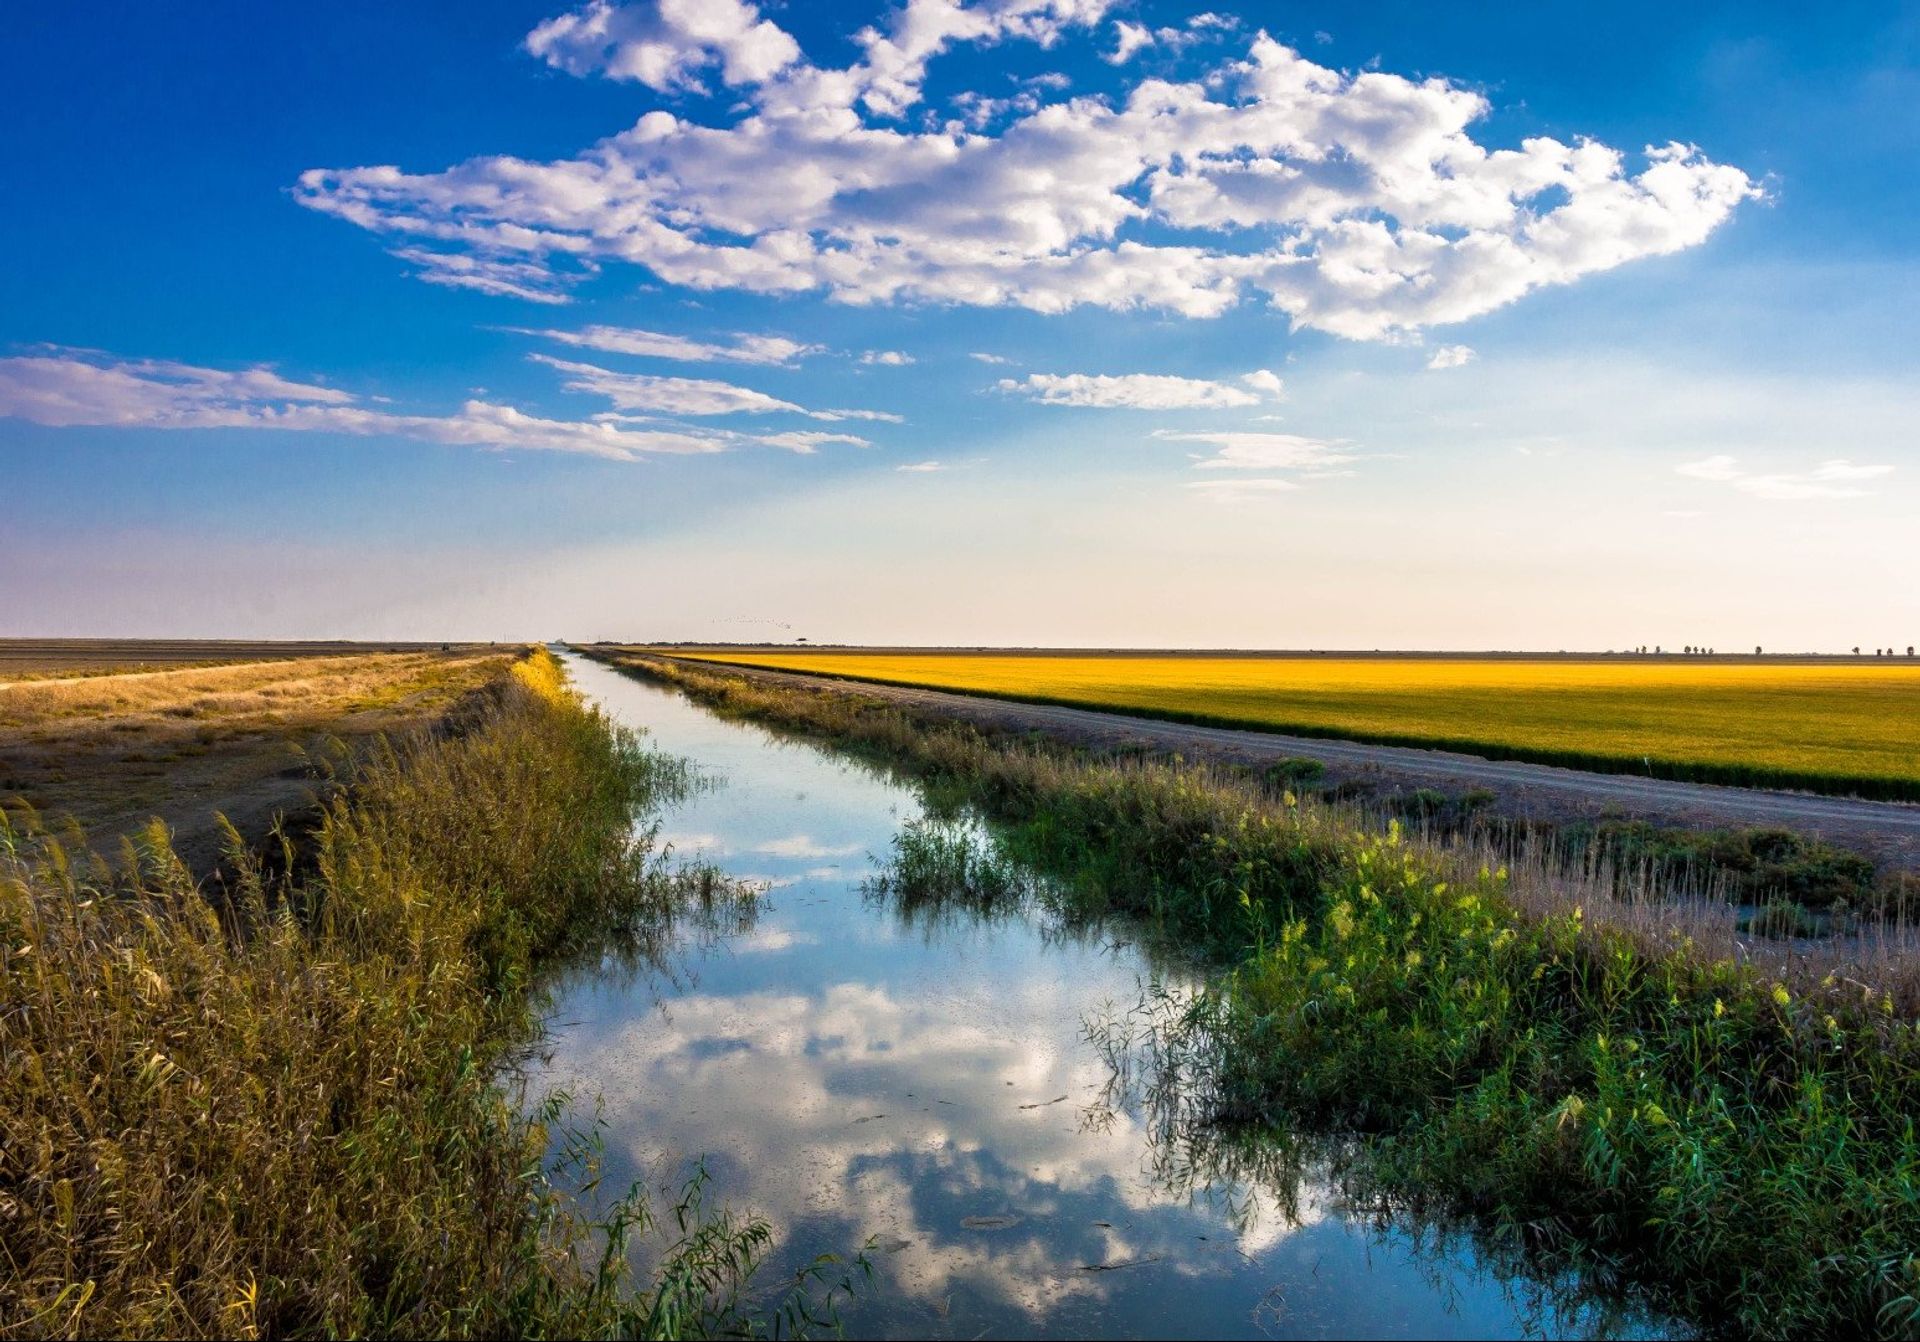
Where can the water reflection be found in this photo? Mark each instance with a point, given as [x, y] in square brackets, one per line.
[856, 1065]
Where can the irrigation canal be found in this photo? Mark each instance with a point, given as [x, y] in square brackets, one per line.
[854, 1073]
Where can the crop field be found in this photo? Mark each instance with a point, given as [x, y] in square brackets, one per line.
[69, 658]
[112, 749]
[1841, 727]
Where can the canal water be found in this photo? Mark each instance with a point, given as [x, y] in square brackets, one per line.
[854, 1074]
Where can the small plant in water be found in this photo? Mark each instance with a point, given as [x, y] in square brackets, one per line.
[947, 862]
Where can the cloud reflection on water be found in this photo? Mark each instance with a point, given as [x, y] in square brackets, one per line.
[852, 1071]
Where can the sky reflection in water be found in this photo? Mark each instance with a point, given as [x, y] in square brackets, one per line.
[849, 1075]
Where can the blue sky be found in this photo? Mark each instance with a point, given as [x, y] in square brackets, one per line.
[1308, 325]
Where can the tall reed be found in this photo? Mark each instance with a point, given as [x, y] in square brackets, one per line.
[282, 1114]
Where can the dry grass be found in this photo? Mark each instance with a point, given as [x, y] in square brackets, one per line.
[283, 1119]
[24, 659]
[112, 751]
[1840, 727]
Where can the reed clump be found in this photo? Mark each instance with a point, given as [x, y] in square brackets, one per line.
[281, 1114]
[1606, 1076]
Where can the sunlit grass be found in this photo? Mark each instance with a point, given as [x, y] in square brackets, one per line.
[1842, 727]
[280, 1112]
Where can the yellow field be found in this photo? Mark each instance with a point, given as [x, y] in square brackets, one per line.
[1832, 727]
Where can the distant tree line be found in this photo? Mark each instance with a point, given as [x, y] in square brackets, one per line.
[1696, 650]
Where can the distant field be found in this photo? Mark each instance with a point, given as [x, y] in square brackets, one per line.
[112, 749]
[1845, 727]
[61, 658]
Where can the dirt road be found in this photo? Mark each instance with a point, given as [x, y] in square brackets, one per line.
[1889, 832]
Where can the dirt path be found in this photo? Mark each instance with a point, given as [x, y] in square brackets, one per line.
[1889, 832]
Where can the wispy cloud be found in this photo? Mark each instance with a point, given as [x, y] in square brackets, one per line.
[1836, 479]
[1144, 391]
[488, 273]
[744, 347]
[1242, 491]
[923, 467]
[71, 388]
[1451, 356]
[988, 358]
[690, 396]
[806, 846]
[1241, 451]
[889, 358]
[1720, 468]
[807, 442]
[666, 395]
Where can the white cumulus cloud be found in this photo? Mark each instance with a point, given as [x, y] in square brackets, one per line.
[889, 358]
[1359, 204]
[1129, 39]
[666, 45]
[1451, 356]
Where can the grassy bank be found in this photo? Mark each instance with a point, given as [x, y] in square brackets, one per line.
[282, 1117]
[1610, 1080]
[1843, 729]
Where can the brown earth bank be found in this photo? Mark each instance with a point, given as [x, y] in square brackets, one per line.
[250, 739]
[1888, 833]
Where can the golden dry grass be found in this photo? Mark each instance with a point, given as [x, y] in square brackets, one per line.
[55, 658]
[113, 750]
[278, 1114]
[1829, 726]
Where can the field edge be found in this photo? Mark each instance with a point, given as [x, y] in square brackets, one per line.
[1864, 787]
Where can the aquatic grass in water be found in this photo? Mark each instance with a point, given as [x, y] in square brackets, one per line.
[1593, 1073]
[948, 862]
